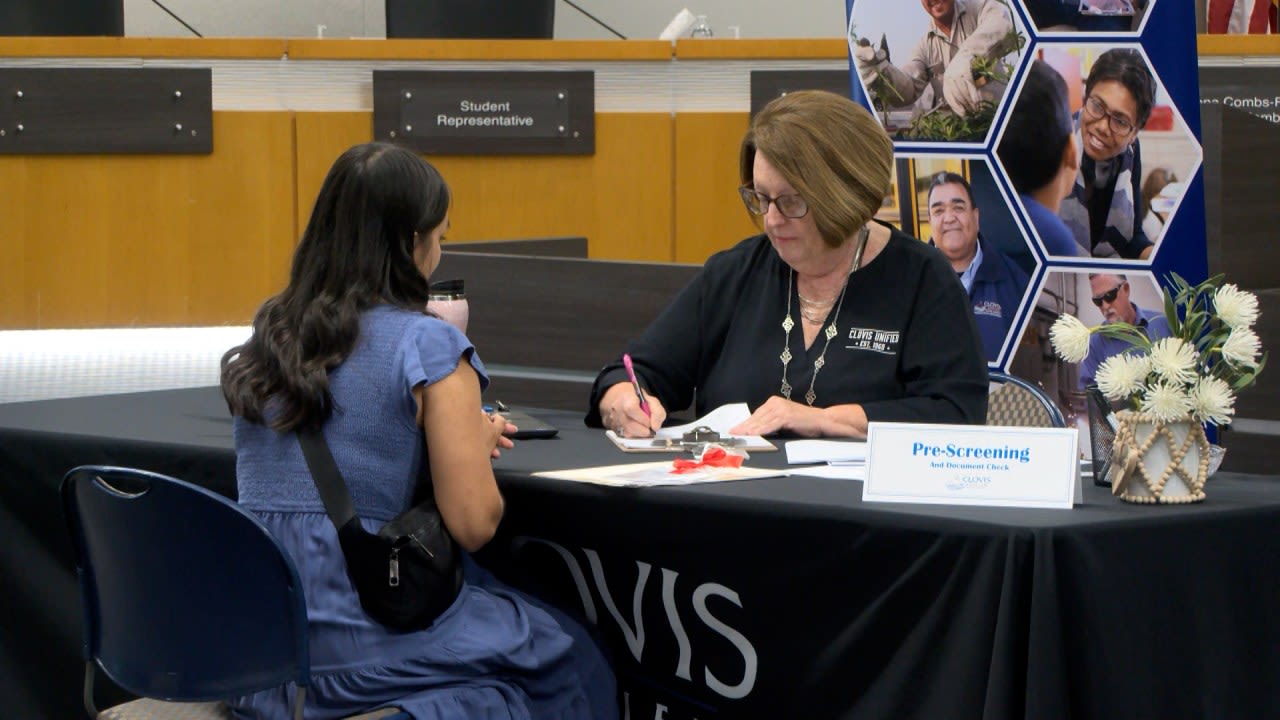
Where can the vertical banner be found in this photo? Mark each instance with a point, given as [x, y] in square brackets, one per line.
[1078, 120]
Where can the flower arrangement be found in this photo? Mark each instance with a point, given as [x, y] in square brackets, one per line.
[1211, 354]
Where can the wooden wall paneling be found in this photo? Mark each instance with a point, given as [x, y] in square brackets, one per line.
[1238, 45]
[475, 49]
[631, 183]
[148, 240]
[619, 198]
[53, 239]
[14, 248]
[831, 48]
[143, 47]
[250, 203]
[321, 138]
[709, 214]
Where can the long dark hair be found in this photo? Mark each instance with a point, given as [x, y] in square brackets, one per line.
[357, 251]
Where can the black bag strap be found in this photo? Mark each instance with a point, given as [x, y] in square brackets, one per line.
[328, 479]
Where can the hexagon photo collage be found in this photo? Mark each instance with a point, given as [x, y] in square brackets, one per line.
[1039, 149]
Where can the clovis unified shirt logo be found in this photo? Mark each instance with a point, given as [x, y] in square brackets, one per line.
[990, 308]
[884, 342]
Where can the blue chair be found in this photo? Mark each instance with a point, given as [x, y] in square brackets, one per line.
[1014, 402]
[186, 596]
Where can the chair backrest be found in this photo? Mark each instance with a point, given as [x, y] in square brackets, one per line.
[186, 596]
[1012, 401]
[1102, 432]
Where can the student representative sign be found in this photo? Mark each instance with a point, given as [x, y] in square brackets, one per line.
[486, 112]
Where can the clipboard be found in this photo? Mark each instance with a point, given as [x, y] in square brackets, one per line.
[690, 441]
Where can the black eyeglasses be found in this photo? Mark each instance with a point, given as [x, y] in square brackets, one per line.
[1120, 124]
[1108, 296]
[792, 206]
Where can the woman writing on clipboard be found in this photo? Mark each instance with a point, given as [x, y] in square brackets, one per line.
[825, 321]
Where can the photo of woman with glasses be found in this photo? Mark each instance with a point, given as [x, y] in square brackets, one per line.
[1104, 211]
[825, 321]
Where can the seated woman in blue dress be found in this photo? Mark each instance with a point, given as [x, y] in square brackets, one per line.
[347, 345]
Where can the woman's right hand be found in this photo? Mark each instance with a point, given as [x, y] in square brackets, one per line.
[620, 411]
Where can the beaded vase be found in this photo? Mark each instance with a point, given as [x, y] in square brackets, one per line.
[1156, 461]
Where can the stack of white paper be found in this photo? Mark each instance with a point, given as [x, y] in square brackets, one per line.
[840, 459]
[843, 452]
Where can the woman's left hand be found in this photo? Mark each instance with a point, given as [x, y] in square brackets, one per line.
[778, 413]
[504, 428]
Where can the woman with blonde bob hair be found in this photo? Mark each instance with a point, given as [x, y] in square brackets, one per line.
[827, 320]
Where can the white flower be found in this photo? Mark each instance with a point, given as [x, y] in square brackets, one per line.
[1242, 347]
[1235, 307]
[1070, 338]
[1165, 401]
[1212, 401]
[1122, 375]
[1174, 359]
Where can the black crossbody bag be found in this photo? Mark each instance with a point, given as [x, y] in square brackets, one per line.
[410, 571]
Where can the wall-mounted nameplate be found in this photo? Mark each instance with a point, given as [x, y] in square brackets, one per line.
[1253, 89]
[106, 110]
[769, 84]
[486, 113]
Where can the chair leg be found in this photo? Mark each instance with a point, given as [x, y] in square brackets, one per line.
[89, 706]
[299, 701]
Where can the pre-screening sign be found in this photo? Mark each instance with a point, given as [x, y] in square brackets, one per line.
[968, 465]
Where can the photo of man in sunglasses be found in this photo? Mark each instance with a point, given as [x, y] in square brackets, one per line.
[1110, 294]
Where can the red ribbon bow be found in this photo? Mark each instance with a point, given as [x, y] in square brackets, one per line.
[711, 457]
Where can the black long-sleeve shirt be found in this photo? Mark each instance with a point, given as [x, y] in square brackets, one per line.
[907, 347]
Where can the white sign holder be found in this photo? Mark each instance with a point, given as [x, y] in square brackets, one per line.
[972, 465]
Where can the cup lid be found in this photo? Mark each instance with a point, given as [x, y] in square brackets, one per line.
[447, 289]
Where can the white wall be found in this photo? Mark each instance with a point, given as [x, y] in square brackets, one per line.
[365, 18]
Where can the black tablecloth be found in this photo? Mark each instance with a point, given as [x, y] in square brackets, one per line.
[780, 597]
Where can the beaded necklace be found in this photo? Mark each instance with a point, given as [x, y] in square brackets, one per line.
[831, 331]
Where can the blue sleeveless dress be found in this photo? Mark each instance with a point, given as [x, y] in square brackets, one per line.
[496, 652]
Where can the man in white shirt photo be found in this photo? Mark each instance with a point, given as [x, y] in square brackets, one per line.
[960, 31]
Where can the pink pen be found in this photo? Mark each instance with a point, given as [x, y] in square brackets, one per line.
[631, 375]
